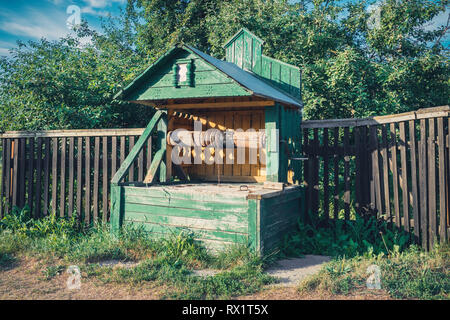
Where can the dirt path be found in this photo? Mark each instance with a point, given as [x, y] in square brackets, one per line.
[25, 281]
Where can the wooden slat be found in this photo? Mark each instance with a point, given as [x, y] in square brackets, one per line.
[414, 199]
[79, 176]
[141, 166]
[46, 176]
[131, 170]
[73, 133]
[346, 175]
[431, 183]
[105, 179]
[22, 170]
[149, 152]
[394, 170]
[87, 179]
[62, 194]
[404, 175]
[2, 177]
[326, 203]
[15, 172]
[122, 151]
[442, 182]
[358, 173]
[95, 190]
[211, 105]
[113, 156]
[38, 186]
[336, 176]
[423, 184]
[376, 195]
[7, 169]
[315, 173]
[30, 176]
[54, 175]
[385, 160]
[71, 169]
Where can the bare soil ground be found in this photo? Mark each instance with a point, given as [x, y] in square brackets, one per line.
[24, 280]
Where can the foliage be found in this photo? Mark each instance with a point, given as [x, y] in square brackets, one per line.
[410, 274]
[345, 237]
[350, 69]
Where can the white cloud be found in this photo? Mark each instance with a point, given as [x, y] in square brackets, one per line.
[34, 23]
[4, 51]
[99, 4]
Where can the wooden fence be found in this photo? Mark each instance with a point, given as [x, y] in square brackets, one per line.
[396, 167]
[66, 172]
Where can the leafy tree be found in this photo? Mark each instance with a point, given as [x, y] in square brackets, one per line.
[351, 68]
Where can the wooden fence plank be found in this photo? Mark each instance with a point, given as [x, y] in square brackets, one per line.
[87, 174]
[105, 192]
[96, 178]
[442, 181]
[54, 175]
[336, 175]
[346, 174]
[22, 170]
[431, 182]
[38, 186]
[46, 175]
[62, 185]
[2, 178]
[131, 170]
[385, 161]
[394, 171]
[404, 175]
[71, 169]
[15, 172]
[113, 156]
[376, 193]
[414, 199]
[315, 180]
[30, 176]
[79, 177]
[326, 199]
[8, 176]
[423, 184]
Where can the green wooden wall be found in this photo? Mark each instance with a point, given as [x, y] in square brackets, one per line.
[207, 81]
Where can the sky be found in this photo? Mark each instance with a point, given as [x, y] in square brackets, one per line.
[33, 19]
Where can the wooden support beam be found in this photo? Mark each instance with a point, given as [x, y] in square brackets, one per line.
[137, 148]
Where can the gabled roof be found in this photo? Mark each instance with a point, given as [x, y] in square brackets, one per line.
[248, 80]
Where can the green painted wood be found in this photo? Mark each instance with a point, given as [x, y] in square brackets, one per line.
[116, 208]
[161, 145]
[182, 218]
[237, 210]
[136, 149]
[185, 194]
[157, 160]
[254, 238]
[202, 234]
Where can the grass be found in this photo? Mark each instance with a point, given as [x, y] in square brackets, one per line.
[411, 274]
[406, 271]
[170, 262]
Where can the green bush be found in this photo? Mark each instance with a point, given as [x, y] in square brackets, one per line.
[345, 237]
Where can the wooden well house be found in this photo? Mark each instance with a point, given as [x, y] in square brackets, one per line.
[235, 126]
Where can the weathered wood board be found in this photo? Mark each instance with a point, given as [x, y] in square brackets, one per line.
[217, 215]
